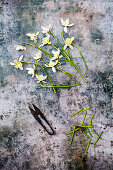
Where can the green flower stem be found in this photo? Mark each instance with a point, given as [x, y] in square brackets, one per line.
[88, 145]
[72, 135]
[60, 52]
[43, 62]
[63, 51]
[54, 46]
[63, 35]
[98, 138]
[69, 54]
[95, 132]
[43, 70]
[91, 119]
[67, 74]
[81, 55]
[84, 117]
[28, 44]
[48, 78]
[81, 110]
[64, 71]
[72, 131]
[88, 130]
[72, 63]
[31, 63]
[61, 86]
[28, 63]
[41, 49]
[44, 51]
[63, 59]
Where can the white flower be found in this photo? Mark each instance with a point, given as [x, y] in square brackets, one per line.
[52, 65]
[40, 78]
[68, 43]
[38, 55]
[32, 36]
[46, 29]
[45, 40]
[17, 63]
[31, 71]
[20, 47]
[66, 24]
[56, 54]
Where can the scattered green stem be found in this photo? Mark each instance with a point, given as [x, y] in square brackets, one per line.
[72, 131]
[86, 135]
[88, 130]
[85, 126]
[72, 135]
[81, 55]
[84, 117]
[88, 145]
[91, 119]
[95, 132]
[81, 110]
[98, 138]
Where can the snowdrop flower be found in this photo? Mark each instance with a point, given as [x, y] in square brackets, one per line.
[38, 55]
[31, 71]
[56, 54]
[17, 63]
[66, 24]
[68, 43]
[52, 65]
[46, 29]
[45, 40]
[32, 36]
[40, 78]
[20, 47]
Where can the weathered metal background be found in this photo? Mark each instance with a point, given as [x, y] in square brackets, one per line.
[23, 143]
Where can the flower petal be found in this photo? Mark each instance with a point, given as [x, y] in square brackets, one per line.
[53, 69]
[71, 46]
[54, 58]
[65, 46]
[70, 25]
[21, 57]
[62, 22]
[37, 33]
[12, 63]
[72, 38]
[65, 29]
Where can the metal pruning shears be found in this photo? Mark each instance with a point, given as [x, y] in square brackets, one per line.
[39, 116]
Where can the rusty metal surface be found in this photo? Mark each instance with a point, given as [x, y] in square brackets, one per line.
[23, 143]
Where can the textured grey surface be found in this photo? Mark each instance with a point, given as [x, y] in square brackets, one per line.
[23, 143]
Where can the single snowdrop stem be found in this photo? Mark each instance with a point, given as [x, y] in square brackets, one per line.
[81, 56]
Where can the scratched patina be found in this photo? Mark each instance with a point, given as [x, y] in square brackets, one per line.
[23, 143]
